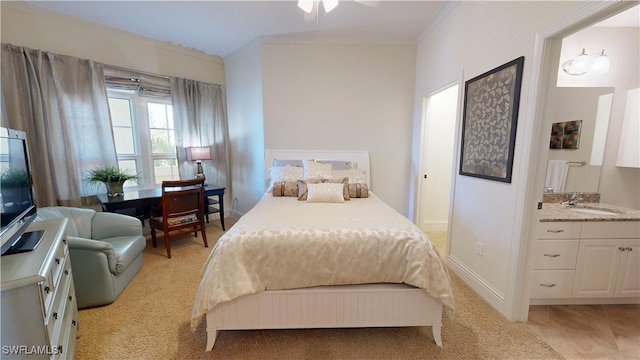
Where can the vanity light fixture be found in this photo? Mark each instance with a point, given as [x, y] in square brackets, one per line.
[585, 63]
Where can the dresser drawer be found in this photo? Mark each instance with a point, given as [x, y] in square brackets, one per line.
[556, 254]
[559, 230]
[611, 230]
[552, 284]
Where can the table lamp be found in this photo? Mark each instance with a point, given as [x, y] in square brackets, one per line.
[197, 154]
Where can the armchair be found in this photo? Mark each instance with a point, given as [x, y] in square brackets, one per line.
[105, 250]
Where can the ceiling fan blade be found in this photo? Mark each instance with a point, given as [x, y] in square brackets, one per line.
[313, 15]
[372, 3]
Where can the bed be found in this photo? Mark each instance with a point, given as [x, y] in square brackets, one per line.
[314, 261]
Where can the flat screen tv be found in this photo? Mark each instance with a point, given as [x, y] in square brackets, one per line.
[17, 203]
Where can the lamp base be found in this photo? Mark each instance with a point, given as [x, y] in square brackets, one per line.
[199, 171]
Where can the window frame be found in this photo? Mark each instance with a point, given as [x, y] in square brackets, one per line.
[141, 132]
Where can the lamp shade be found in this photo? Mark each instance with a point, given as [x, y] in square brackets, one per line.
[580, 64]
[195, 153]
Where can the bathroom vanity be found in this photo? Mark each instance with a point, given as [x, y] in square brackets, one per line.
[586, 254]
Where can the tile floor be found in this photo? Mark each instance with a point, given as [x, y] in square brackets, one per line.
[589, 331]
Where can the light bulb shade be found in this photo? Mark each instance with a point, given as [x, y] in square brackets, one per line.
[579, 65]
[306, 5]
[599, 64]
[195, 153]
[329, 4]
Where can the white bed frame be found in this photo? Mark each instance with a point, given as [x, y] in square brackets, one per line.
[346, 306]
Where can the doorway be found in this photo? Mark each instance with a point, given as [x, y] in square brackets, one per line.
[437, 158]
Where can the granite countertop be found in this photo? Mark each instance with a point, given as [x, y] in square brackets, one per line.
[587, 212]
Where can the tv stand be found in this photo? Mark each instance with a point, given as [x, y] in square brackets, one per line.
[27, 242]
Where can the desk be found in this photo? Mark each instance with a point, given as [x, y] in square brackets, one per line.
[138, 203]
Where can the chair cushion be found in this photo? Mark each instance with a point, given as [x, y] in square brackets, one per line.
[178, 220]
[126, 249]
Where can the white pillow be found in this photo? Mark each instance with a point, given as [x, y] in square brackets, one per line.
[314, 169]
[356, 176]
[284, 173]
[325, 193]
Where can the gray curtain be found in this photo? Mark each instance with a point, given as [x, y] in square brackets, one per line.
[200, 119]
[61, 103]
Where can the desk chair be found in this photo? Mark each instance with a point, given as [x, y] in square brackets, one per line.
[181, 207]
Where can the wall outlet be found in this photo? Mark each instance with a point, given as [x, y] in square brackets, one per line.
[479, 248]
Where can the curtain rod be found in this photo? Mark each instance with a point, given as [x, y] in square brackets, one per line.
[137, 71]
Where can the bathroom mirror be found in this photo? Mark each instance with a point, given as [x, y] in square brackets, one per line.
[577, 167]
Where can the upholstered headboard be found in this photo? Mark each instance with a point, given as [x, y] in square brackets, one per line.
[359, 159]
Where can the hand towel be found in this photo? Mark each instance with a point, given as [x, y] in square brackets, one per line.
[556, 175]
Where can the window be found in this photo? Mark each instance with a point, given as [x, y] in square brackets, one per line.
[144, 136]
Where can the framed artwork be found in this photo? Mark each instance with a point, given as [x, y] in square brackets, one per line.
[565, 135]
[489, 121]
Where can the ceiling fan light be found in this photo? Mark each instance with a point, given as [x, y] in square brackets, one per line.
[329, 5]
[600, 64]
[306, 5]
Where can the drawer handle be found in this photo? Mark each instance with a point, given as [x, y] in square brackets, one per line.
[552, 255]
[57, 261]
[70, 298]
[555, 231]
[59, 349]
[628, 249]
[47, 289]
[548, 285]
[55, 315]
[73, 322]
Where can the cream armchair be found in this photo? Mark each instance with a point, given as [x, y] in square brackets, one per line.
[105, 250]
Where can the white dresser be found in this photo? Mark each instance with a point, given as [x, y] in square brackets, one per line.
[39, 312]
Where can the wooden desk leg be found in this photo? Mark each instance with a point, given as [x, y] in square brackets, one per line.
[221, 211]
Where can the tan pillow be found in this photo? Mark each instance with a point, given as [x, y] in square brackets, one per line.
[325, 193]
[285, 188]
[302, 186]
[360, 190]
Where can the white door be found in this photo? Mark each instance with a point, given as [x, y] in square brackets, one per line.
[438, 138]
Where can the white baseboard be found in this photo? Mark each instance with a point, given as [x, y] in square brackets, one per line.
[477, 283]
[434, 226]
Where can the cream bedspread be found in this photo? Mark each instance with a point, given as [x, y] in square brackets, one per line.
[283, 243]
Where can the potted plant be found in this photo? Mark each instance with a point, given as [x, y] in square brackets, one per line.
[112, 177]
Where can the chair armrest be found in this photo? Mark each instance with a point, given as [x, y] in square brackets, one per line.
[107, 225]
[96, 246]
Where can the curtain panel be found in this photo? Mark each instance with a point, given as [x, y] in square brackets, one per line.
[201, 120]
[61, 103]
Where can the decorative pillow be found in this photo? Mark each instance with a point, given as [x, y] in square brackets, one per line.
[360, 190]
[325, 193]
[285, 188]
[355, 175]
[314, 169]
[179, 220]
[344, 181]
[284, 173]
[302, 187]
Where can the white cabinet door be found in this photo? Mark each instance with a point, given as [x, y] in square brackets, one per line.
[597, 268]
[628, 284]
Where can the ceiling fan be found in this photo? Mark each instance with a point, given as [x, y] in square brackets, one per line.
[311, 7]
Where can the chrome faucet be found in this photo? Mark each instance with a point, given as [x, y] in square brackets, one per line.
[573, 200]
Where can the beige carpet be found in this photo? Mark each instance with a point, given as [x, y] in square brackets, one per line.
[150, 320]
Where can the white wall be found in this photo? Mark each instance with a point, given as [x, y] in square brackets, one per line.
[474, 38]
[246, 129]
[344, 97]
[35, 28]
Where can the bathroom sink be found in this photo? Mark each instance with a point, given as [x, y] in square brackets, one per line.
[594, 211]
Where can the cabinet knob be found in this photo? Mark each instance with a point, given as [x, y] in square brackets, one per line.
[628, 249]
[552, 255]
[55, 315]
[548, 285]
[47, 289]
[70, 298]
[66, 272]
[57, 261]
[621, 248]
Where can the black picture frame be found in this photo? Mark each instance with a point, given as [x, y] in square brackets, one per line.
[489, 123]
